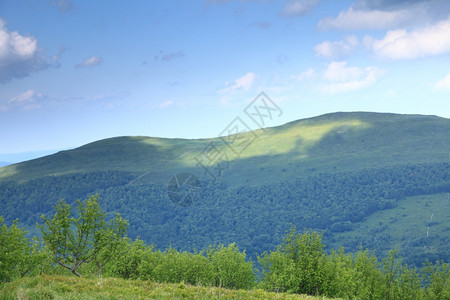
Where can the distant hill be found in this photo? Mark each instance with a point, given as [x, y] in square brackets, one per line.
[330, 173]
[11, 158]
[4, 163]
[328, 143]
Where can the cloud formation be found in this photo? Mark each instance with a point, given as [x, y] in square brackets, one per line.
[243, 83]
[298, 7]
[90, 62]
[402, 44]
[386, 4]
[338, 49]
[387, 14]
[19, 55]
[443, 84]
[28, 100]
[353, 19]
[166, 103]
[346, 79]
[308, 74]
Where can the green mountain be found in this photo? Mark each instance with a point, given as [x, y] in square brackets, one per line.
[328, 143]
[330, 173]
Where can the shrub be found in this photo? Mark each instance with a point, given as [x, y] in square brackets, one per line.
[231, 270]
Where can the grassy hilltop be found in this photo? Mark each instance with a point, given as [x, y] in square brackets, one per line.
[328, 143]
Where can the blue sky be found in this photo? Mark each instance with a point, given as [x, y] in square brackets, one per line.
[72, 72]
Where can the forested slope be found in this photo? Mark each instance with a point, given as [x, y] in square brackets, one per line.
[329, 173]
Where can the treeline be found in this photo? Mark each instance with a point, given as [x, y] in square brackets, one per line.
[30, 199]
[254, 217]
[80, 241]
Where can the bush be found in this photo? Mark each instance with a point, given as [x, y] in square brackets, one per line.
[130, 256]
[297, 266]
[437, 280]
[231, 270]
[172, 266]
[18, 255]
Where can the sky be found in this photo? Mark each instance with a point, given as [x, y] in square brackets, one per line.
[75, 71]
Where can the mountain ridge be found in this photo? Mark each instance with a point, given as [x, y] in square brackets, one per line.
[305, 142]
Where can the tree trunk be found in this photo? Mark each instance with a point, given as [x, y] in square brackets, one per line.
[72, 269]
[99, 272]
[76, 273]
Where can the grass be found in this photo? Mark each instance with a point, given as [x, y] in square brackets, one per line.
[418, 223]
[328, 143]
[65, 287]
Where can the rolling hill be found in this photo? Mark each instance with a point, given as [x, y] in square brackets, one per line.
[331, 173]
[328, 143]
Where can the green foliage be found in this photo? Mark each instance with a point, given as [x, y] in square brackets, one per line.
[437, 280]
[129, 258]
[218, 266]
[334, 203]
[359, 276]
[298, 264]
[356, 276]
[174, 266]
[82, 239]
[18, 255]
[231, 269]
[109, 239]
[367, 276]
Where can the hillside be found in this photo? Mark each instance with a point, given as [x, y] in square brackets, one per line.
[328, 143]
[330, 173]
[62, 287]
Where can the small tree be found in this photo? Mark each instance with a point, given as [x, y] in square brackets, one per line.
[110, 236]
[231, 269]
[18, 255]
[297, 266]
[82, 239]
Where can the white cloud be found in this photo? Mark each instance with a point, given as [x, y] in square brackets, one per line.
[346, 79]
[308, 74]
[443, 84]
[19, 55]
[25, 101]
[298, 7]
[329, 49]
[388, 14]
[243, 83]
[22, 98]
[234, 91]
[165, 104]
[401, 44]
[338, 71]
[354, 19]
[90, 62]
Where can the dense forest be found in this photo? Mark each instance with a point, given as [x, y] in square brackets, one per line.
[80, 240]
[254, 217]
